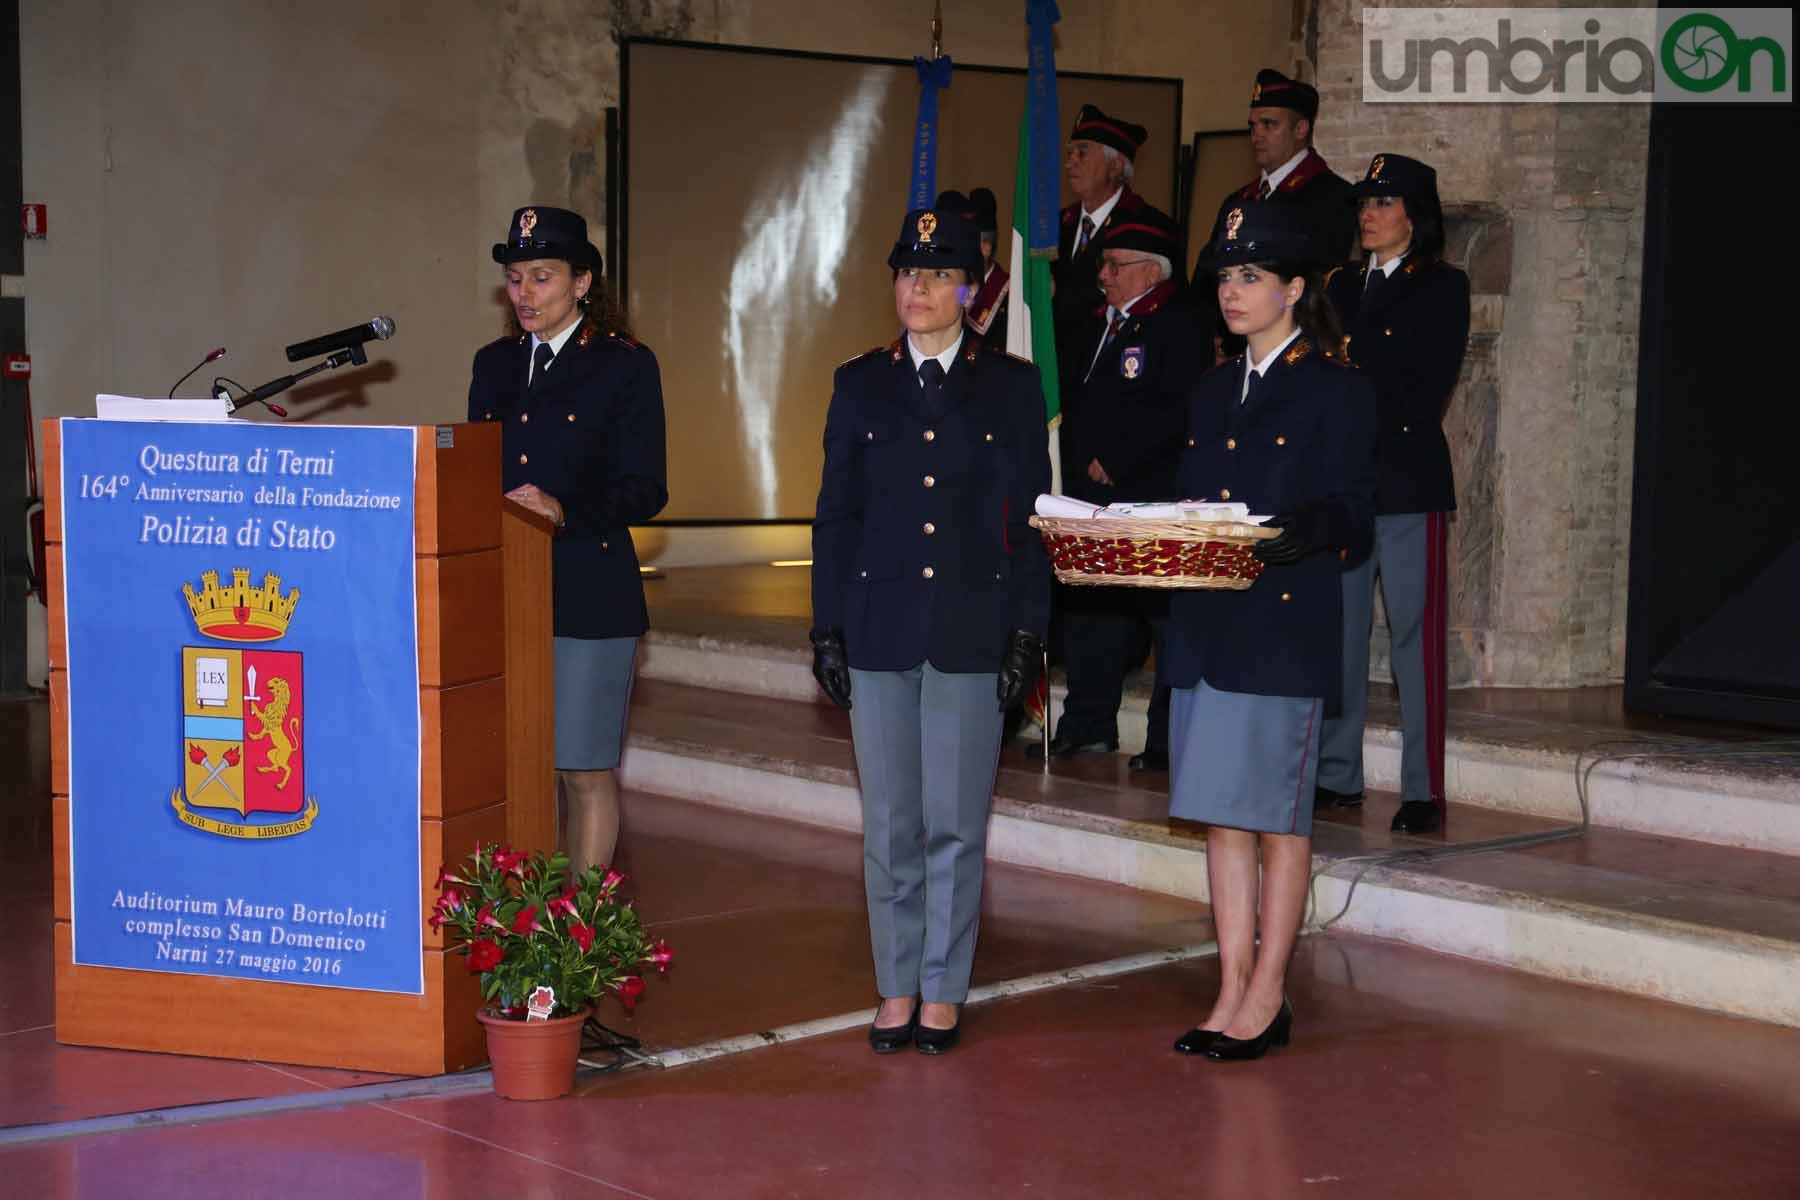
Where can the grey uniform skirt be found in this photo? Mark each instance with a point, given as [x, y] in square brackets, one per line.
[593, 692]
[1243, 761]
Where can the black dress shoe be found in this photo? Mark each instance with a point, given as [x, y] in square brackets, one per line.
[1068, 746]
[1324, 798]
[888, 1039]
[1150, 760]
[936, 1041]
[1196, 1041]
[1230, 1049]
[1418, 816]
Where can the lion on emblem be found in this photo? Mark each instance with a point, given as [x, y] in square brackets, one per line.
[282, 730]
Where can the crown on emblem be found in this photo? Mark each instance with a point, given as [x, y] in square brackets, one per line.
[1375, 167]
[927, 226]
[238, 612]
[1255, 92]
[1232, 221]
[527, 222]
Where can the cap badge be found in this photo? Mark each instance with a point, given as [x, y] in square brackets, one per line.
[927, 226]
[1255, 92]
[527, 222]
[1375, 167]
[1233, 220]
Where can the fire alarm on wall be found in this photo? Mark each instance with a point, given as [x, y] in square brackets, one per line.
[35, 220]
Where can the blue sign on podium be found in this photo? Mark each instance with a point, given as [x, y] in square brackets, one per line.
[243, 701]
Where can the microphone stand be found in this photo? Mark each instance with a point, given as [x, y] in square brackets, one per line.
[351, 355]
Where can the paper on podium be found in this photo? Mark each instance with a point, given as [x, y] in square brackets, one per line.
[132, 408]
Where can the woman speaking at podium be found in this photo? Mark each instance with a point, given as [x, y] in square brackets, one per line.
[580, 404]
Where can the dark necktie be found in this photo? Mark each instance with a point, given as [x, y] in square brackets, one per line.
[540, 362]
[1087, 231]
[1262, 193]
[1376, 278]
[1112, 331]
[1254, 378]
[931, 375]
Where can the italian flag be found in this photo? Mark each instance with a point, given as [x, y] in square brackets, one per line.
[1030, 328]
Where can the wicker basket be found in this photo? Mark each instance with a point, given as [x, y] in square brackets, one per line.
[1153, 554]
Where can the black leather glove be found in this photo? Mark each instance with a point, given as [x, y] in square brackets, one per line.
[1019, 669]
[1300, 535]
[831, 665]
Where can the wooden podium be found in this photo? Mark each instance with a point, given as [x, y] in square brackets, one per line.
[486, 732]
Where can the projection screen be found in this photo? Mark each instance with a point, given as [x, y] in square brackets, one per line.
[762, 191]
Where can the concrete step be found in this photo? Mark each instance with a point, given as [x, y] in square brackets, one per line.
[1697, 924]
[1690, 787]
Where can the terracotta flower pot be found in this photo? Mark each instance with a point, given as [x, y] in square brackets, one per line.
[533, 1060]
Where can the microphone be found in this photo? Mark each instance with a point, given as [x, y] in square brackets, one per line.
[375, 328]
[260, 395]
[211, 356]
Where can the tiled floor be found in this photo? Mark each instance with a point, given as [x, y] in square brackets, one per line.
[1412, 1074]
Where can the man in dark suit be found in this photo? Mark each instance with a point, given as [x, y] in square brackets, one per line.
[1097, 164]
[1124, 425]
[1289, 171]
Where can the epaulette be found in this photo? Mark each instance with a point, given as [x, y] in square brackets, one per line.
[870, 353]
[626, 340]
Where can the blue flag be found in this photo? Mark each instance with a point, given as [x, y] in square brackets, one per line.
[1044, 120]
[934, 73]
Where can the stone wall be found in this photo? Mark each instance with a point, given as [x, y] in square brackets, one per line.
[1545, 207]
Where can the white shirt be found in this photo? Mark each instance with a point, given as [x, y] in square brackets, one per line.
[556, 345]
[944, 359]
[1386, 268]
[1262, 367]
[1098, 216]
[1280, 173]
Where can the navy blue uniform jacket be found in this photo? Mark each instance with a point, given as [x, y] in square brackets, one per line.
[1131, 411]
[921, 551]
[1308, 433]
[1409, 339]
[591, 435]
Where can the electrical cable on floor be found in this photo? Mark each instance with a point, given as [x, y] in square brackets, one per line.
[1764, 752]
[626, 1051]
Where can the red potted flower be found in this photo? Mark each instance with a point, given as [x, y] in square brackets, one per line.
[548, 947]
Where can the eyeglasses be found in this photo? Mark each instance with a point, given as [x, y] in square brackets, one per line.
[1119, 264]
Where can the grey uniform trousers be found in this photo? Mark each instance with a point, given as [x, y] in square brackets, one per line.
[927, 745]
[1409, 555]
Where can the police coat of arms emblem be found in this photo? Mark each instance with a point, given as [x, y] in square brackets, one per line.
[243, 715]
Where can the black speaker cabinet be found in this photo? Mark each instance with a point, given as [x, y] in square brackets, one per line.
[1713, 623]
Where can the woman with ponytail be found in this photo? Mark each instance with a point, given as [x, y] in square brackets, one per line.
[1287, 428]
